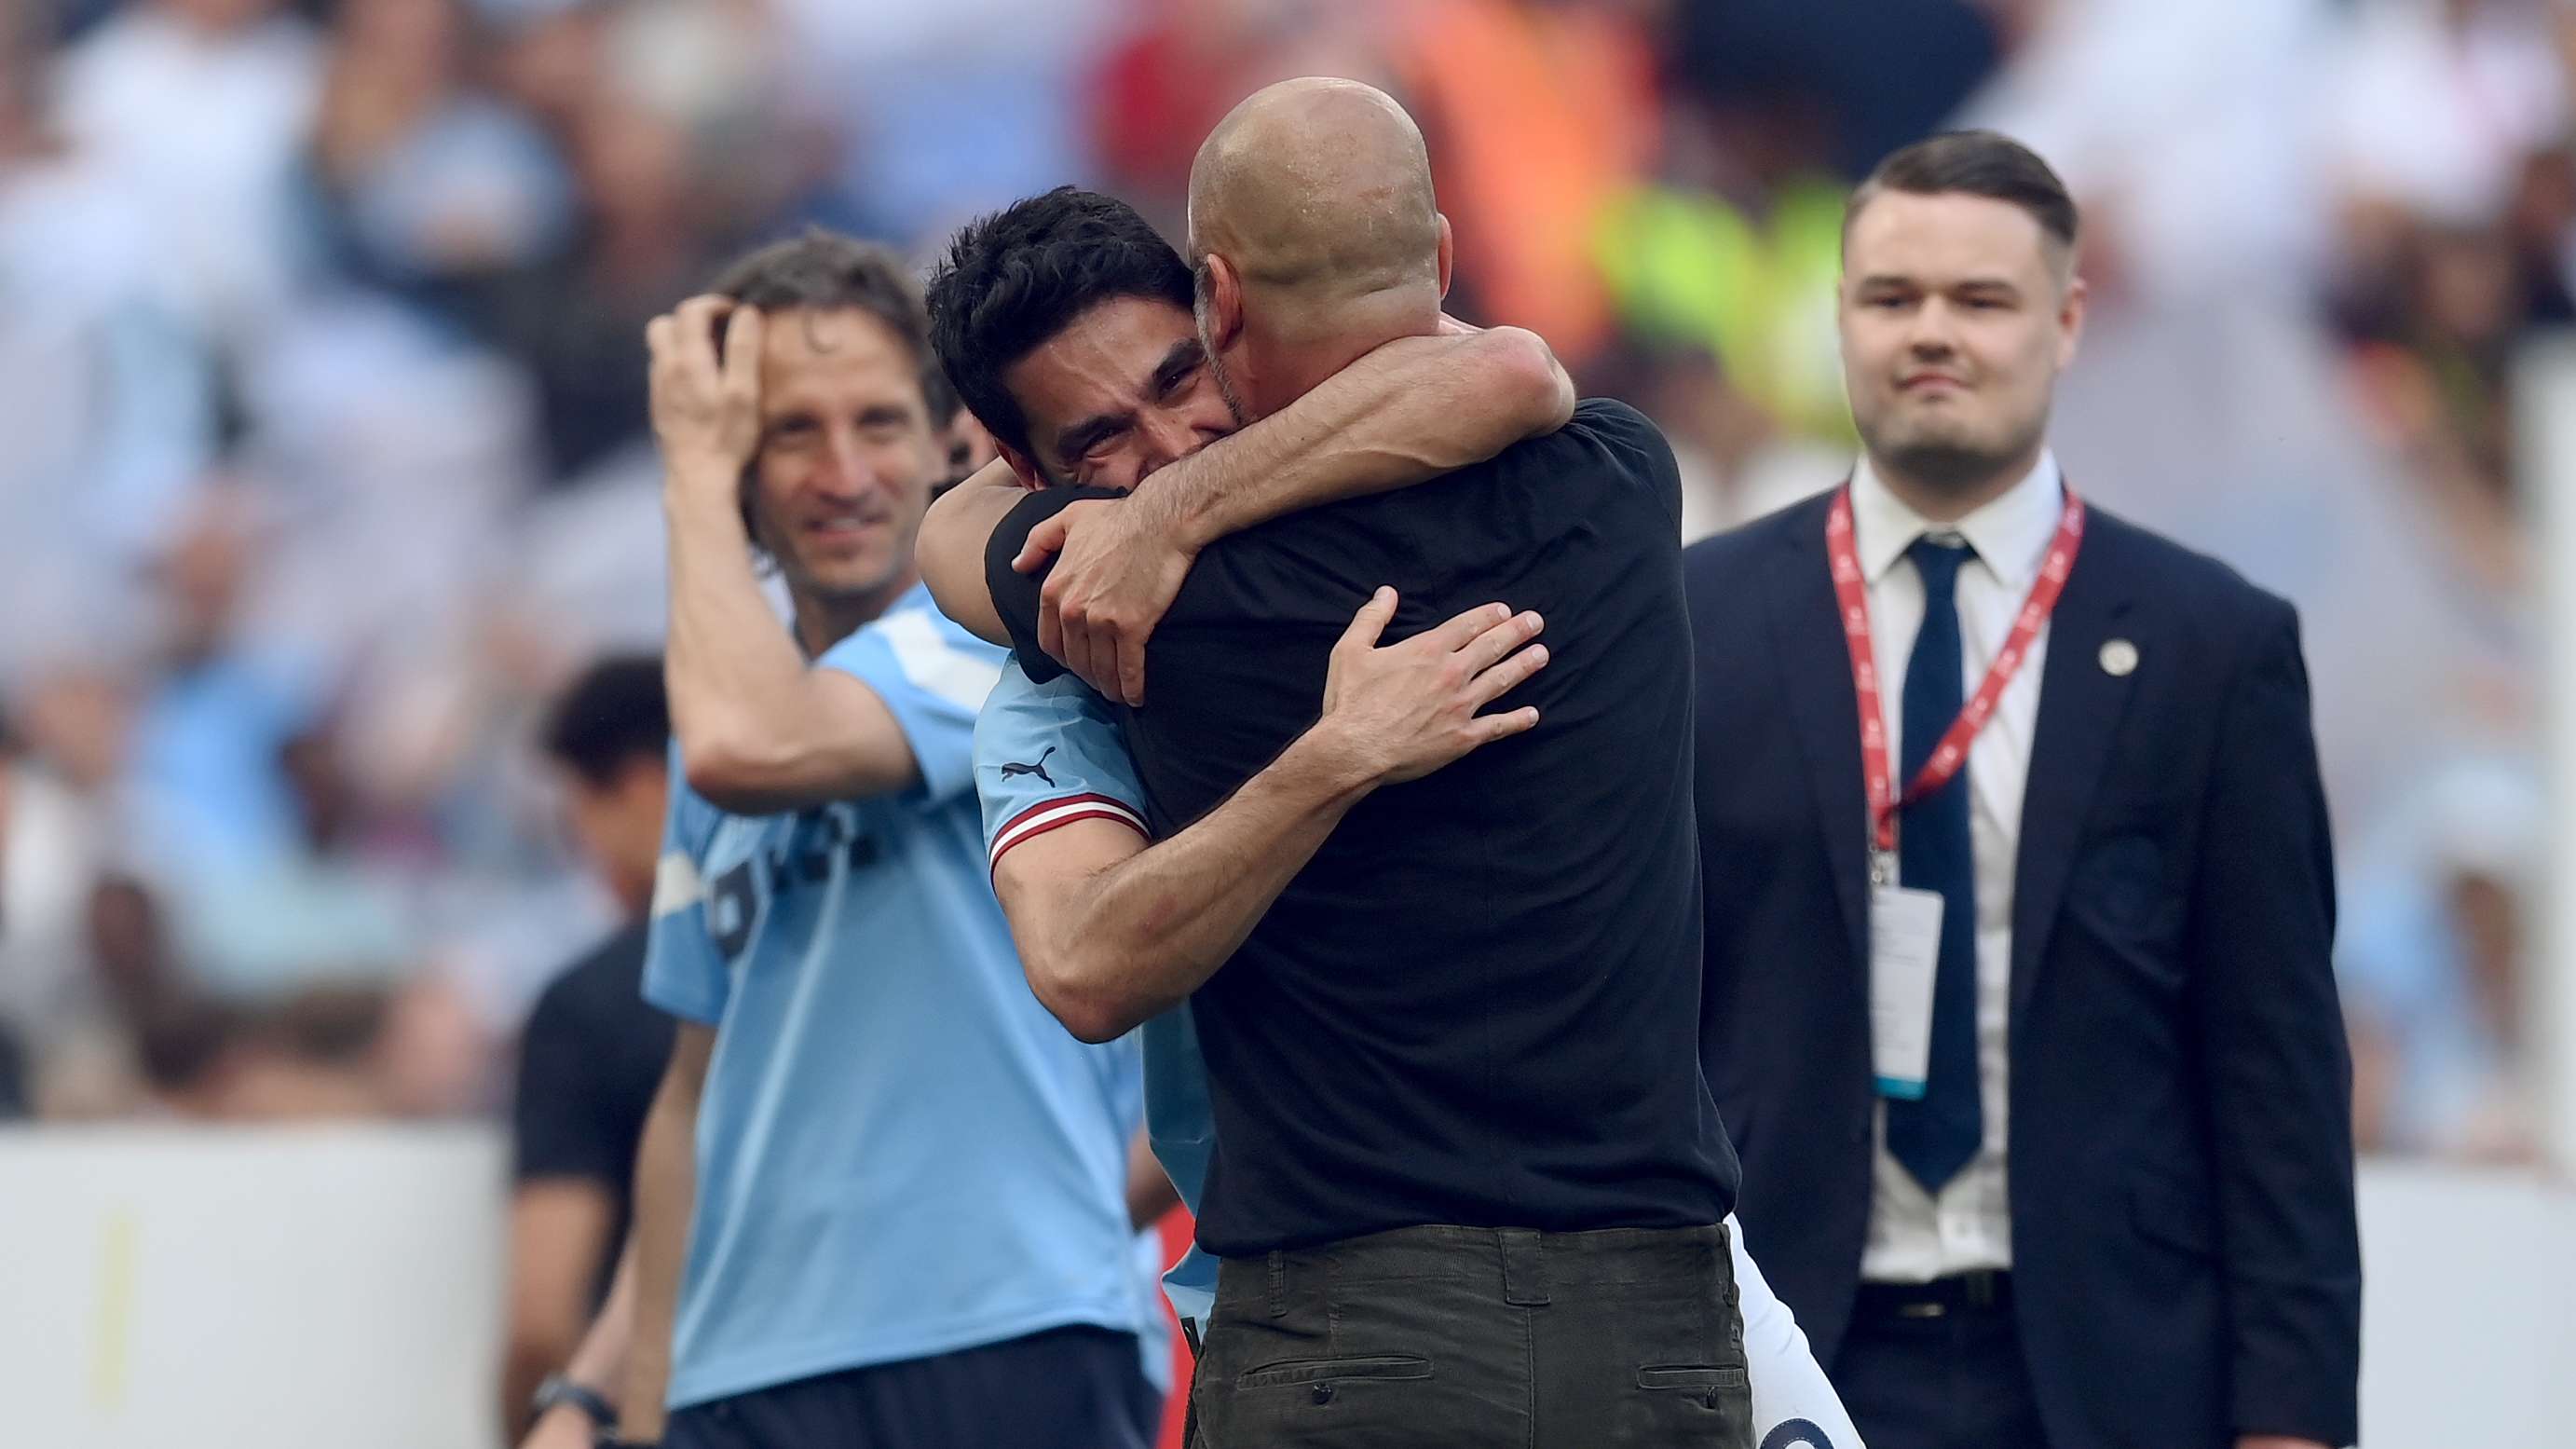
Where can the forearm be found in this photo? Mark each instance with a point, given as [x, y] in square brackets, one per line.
[665, 1188]
[953, 538]
[761, 728]
[1141, 935]
[1412, 410]
[1150, 1193]
[738, 684]
[600, 1360]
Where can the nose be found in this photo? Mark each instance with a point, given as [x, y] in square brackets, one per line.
[1167, 437]
[1931, 337]
[847, 472]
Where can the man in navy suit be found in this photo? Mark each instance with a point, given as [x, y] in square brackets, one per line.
[2019, 897]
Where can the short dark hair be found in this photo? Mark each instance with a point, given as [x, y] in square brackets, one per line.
[1018, 277]
[613, 716]
[1976, 163]
[824, 271]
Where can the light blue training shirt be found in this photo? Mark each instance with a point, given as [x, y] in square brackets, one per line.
[1047, 755]
[899, 1152]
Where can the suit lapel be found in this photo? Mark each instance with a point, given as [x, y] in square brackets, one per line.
[2080, 703]
[1815, 668]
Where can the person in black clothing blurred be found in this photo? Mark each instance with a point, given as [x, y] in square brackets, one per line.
[593, 1051]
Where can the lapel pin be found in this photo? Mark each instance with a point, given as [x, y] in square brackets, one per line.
[2119, 657]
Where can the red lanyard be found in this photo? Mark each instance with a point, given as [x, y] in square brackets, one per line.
[1952, 752]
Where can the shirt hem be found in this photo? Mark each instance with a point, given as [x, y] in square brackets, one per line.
[734, 1375]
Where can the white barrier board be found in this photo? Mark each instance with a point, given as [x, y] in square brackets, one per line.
[337, 1287]
[269, 1289]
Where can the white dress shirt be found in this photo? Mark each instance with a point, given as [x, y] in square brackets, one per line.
[1915, 1237]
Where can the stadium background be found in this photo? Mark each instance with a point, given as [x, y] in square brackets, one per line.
[323, 462]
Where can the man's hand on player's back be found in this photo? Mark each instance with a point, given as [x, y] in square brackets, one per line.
[1405, 710]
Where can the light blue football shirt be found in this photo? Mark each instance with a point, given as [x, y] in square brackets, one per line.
[1047, 755]
[899, 1152]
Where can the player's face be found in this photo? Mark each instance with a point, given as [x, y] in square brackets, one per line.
[1123, 390]
[619, 826]
[848, 454]
[1956, 317]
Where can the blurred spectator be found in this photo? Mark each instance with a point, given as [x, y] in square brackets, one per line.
[205, 104]
[916, 162]
[2435, 967]
[1537, 115]
[593, 1053]
[212, 798]
[109, 407]
[1869, 77]
[435, 189]
[328, 466]
[61, 767]
[13, 1077]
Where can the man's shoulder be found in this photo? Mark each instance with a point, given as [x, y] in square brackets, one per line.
[608, 979]
[1602, 431]
[1727, 554]
[2208, 593]
[921, 639]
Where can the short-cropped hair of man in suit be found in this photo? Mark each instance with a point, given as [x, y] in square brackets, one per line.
[2020, 1013]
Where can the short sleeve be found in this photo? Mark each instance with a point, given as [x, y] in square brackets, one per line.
[1015, 594]
[558, 1125]
[684, 973]
[1636, 445]
[1047, 755]
[934, 676]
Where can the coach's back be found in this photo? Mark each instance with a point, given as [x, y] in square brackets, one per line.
[1477, 1004]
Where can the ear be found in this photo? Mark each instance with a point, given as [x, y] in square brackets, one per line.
[1222, 303]
[2070, 322]
[1448, 254]
[1021, 464]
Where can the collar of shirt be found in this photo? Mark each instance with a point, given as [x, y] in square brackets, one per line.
[2011, 533]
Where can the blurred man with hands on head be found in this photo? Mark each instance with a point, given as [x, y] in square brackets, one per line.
[1461, 1049]
[881, 1195]
[2020, 1001]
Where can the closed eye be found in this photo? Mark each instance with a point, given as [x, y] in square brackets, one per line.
[1179, 367]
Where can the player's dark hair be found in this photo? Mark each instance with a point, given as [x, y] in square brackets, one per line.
[612, 717]
[1016, 278]
[824, 271]
[1976, 163]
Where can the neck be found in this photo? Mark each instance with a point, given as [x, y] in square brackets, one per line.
[1297, 363]
[1946, 498]
[823, 620]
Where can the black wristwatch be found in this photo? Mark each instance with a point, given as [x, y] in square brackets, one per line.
[558, 1391]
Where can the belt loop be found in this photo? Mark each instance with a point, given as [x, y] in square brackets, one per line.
[1278, 1284]
[1524, 1268]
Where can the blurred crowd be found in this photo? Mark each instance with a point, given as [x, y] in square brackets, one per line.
[323, 458]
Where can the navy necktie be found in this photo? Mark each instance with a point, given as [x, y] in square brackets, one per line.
[1938, 1133]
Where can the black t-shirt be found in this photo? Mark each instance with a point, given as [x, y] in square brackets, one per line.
[589, 1062]
[1479, 1003]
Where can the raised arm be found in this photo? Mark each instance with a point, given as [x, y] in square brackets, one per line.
[1410, 411]
[951, 547]
[1112, 931]
[760, 727]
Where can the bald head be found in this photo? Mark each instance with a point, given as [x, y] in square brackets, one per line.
[1320, 190]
